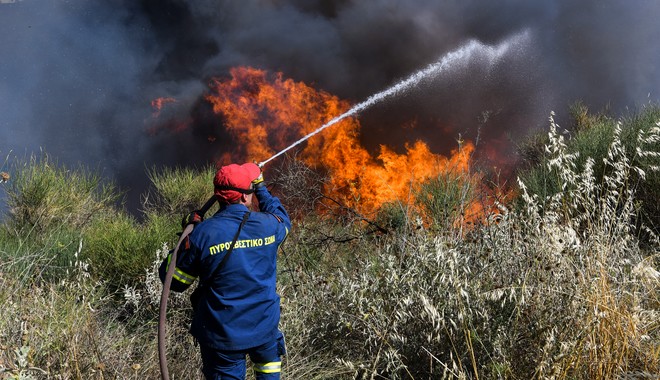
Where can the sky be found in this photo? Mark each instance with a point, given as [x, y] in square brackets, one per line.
[77, 77]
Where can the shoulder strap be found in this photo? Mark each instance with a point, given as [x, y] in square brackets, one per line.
[231, 247]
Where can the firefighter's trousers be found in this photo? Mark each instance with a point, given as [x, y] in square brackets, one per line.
[231, 365]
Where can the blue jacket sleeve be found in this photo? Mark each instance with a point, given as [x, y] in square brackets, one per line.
[185, 272]
[272, 205]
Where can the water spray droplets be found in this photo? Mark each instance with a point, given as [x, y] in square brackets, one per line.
[450, 60]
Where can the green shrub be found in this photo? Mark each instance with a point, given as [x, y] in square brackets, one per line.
[43, 195]
[117, 248]
[392, 216]
[589, 139]
[178, 191]
[649, 188]
[446, 199]
[33, 259]
[49, 208]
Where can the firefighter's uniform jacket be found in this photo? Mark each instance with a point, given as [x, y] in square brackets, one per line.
[240, 308]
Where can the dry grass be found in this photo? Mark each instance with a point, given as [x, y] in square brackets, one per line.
[558, 289]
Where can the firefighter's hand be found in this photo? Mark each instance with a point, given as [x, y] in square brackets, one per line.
[259, 181]
[192, 218]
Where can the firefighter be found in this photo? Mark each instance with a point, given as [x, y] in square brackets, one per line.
[238, 311]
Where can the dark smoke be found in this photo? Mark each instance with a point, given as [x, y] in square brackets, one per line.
[77, 77]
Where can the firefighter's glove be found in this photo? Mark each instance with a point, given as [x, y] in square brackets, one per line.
[192, 218]
[259, 181]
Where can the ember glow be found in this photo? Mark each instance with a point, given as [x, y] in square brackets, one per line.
[265, 113]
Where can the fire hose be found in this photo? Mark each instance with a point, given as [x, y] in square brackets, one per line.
[162, 317]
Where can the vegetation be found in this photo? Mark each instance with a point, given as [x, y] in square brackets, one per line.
[561, 284]
[589, 141]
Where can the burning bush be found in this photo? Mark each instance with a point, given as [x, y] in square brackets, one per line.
[265, 113]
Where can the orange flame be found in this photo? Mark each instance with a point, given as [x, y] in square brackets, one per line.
[169, 125]
[267, 113]
[158, 104]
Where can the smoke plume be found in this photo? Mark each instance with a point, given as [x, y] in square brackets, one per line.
[77, 79]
